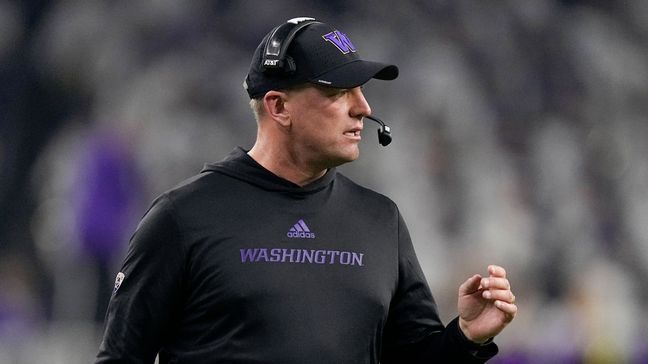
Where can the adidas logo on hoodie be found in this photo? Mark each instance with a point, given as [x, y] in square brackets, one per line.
[300, 231]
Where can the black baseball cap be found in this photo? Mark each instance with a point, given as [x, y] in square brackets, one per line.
[318, 54]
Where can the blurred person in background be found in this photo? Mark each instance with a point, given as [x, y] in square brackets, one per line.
[271, 255]
[107, 192]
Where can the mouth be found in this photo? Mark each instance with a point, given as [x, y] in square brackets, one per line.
[353, 133]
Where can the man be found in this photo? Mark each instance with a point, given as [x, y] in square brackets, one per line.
[272, 256]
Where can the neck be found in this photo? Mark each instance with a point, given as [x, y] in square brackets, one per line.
[285, 164]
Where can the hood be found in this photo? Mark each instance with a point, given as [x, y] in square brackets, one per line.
[238, 164]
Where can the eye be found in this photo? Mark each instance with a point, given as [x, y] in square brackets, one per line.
[336, 92]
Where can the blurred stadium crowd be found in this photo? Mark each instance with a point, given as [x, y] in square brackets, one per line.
[520, 139]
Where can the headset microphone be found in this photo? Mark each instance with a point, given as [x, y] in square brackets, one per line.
[384, 133]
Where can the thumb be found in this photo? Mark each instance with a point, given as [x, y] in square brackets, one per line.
[470, 286]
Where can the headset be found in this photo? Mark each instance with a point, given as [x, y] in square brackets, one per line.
[384, 133]
[275, 61]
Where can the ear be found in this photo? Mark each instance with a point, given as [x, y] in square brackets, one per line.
[274, 105]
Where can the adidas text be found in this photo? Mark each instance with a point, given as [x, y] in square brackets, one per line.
[300, 234]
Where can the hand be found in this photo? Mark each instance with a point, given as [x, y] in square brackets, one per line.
[486, 305]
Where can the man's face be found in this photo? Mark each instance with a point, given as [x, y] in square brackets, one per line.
[326, 124]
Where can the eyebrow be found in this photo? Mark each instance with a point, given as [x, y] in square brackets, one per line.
[332, 90]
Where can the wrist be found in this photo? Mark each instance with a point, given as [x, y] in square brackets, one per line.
[463, 328]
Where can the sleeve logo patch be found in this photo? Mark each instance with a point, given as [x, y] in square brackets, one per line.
[118, 281]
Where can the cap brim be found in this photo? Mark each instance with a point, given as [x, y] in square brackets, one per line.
[356, 73]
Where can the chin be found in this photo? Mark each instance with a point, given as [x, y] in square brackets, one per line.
[345, 158]
[339, 155]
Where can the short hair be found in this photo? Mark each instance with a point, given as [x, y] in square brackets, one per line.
[257, 104]
[257, 108]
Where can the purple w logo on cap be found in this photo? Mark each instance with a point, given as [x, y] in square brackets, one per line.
[340, 40]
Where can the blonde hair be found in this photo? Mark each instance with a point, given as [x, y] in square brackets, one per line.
[257, 104]
[257, 108]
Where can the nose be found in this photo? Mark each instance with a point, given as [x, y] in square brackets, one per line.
[359, 105]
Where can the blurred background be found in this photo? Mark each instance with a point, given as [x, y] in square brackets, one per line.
[520, 139]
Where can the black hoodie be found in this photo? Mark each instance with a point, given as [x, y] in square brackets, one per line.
[237, 265]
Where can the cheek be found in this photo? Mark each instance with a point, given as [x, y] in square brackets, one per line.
[314, 126]
[313, 132]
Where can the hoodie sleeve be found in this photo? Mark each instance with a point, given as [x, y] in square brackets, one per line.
[143, 308]
[414, 332]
